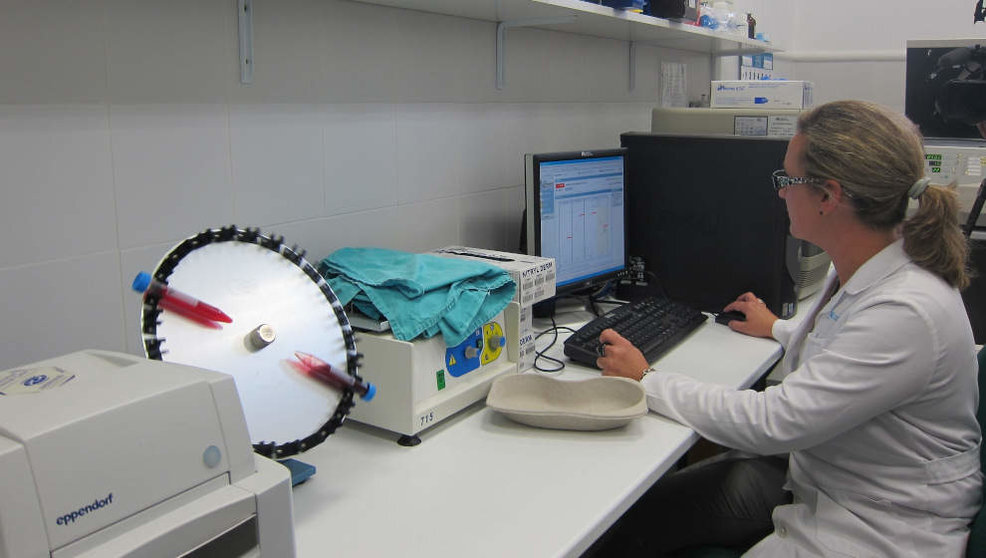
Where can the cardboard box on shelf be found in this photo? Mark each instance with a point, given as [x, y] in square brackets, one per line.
[762, 94]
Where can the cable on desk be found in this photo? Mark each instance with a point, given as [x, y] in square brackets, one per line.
[592, 299]
[592, 306]
[555, 328]
[596, 296]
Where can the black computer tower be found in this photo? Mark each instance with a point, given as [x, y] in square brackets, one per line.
[706, 220]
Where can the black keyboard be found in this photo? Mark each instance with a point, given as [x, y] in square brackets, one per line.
[653, 325]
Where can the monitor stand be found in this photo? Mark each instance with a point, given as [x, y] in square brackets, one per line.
[559, 305]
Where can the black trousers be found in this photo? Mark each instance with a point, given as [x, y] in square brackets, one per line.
[725, 500]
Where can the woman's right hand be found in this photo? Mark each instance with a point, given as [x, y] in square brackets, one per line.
[759, 320]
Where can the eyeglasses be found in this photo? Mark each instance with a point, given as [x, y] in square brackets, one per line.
[781, 180]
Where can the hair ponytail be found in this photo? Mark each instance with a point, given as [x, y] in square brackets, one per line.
[933, 239]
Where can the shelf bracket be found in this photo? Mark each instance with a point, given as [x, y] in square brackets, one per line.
[632, 61]
[501, 38]
[245, 17]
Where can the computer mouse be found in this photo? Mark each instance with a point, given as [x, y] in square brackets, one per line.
[725, 317]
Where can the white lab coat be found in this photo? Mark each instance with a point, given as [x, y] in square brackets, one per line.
[878, 414]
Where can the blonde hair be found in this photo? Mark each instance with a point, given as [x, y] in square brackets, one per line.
[876, 155]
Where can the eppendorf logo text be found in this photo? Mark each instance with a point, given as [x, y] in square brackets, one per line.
[96, 504]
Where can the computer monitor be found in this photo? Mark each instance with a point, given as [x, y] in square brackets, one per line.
[576, 213]
[944, 86]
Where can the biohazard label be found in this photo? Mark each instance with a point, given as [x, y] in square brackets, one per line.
[33, 380]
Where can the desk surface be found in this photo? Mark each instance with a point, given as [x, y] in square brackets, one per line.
[482, 485]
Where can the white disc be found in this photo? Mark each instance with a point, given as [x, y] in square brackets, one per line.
[257, 286]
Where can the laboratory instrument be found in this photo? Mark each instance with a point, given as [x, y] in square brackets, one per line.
[109, 454]
[279, 305]
[732, 121]
[424, 381]
[961, 162]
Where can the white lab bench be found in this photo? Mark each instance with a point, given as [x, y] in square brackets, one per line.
[482, 485]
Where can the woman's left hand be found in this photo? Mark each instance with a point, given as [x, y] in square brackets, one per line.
[621, 357]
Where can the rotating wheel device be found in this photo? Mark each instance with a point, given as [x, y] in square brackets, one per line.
[282, 311]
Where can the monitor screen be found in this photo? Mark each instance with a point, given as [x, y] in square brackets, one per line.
[944, 86]
[576, 214]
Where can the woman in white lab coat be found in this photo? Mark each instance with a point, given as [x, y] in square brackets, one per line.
[877, 414]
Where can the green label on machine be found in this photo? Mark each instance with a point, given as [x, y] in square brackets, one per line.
[440, 379]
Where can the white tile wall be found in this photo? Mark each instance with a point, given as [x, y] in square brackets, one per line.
[291, 40]
[548, 63]
[180, 51]
[320, 237]
[422, 226]
[906, 19]
[428, 69]
[484, 219]
[124, 129]
[363, 52]
[878, 81]
[58, 307]
[489, 153]
[171, 165]
[55, 170]
[277, 159]
[430, 157]
[360, 157]
[54, 53]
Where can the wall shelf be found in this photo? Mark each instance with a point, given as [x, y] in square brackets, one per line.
[591, 19]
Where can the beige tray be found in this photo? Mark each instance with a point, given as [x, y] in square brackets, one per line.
[593, 404]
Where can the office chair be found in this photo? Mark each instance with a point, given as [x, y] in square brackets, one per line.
[976, 546]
